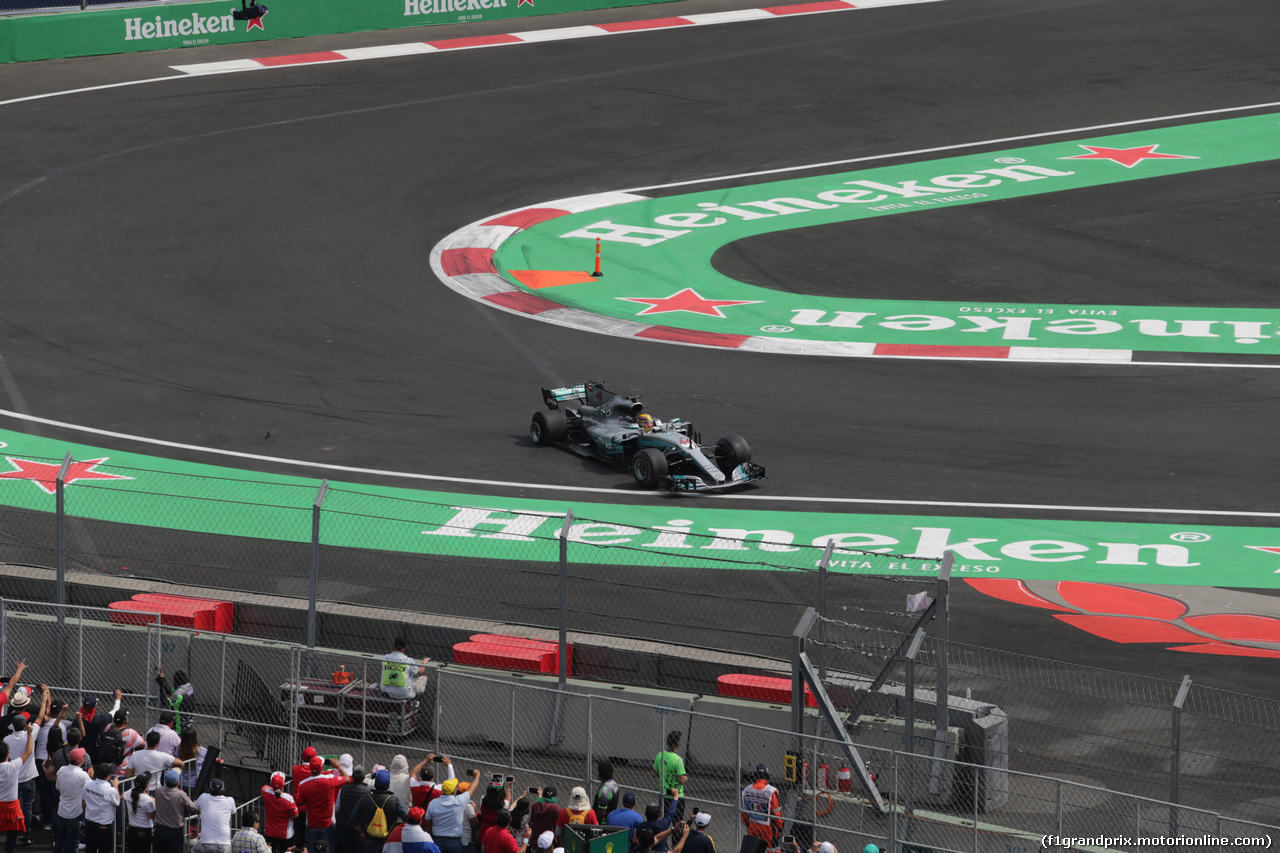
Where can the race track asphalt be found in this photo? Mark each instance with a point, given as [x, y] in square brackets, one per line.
[241, 261]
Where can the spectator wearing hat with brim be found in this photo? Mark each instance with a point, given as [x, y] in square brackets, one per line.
[316, 795]
[172, 807]
[659, 824]
[380, 798]
[626, 816]
[133, 740]
[7, 693]
[447, 812]
[216, 811]
[544, 814]
[697, 839]
[26, 713]
[152, 759]
[577, 811]
[410, 837]
[170, 740]
[71, 781]
[281, 810]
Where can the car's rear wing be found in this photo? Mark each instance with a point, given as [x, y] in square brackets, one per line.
[553, 397]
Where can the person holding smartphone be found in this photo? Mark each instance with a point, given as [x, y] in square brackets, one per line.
[496, 798]
[446, 813]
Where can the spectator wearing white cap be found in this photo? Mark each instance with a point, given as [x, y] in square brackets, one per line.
[828, 847]
[697, 840]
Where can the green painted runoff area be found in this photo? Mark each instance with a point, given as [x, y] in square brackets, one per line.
[654, 249]
[147, 491]
[160, 27]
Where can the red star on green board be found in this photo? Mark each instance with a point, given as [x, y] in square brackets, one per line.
[1127, 157]
[1270, 549]
[687, 300]
[45, 474]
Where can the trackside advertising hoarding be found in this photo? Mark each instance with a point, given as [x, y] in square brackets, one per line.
[99, 31]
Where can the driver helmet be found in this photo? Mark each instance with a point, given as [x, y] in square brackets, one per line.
[645, 422]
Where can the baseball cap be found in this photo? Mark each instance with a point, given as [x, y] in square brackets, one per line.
[828, 847]
[316, 763]
[76, 756]
[167, 716]
[382, 780]
[449, 786]
[549, 794]
[629, 799]
[309, 753]
[416, 815]
[171, 778]
[277, 781]
[217, 786]
[121, 717]
[346, 762]
[463, 787]
[90, 702]
[546, 840]
[702, 818]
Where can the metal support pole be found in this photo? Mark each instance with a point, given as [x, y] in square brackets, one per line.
[313, 587]
[222, 689]
[511, 747]
[564, 598]
[80, 653]
[797, 680]
[737, 763]
[1057, 809]
[4, 636]
[893, 805]
[912, 651]
[590, 741]
[1175, 753]
[941, 639]
[439, 706]
[60, 520]
[564, 628]
[822, 609]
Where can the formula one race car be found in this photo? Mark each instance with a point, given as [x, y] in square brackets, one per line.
[594, 422]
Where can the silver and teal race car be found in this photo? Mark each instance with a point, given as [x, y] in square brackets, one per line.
[592, 421]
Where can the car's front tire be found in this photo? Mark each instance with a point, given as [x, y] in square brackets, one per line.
[548, 427]
[732, 451]
[649, 467]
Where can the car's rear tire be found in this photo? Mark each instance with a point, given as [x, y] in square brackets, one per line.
[732, 451]
[548, 427]
[649, 466]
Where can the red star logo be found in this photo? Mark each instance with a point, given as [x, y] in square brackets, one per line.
[522, 2]
[1270, 549]
[45, 474]
[256, 22]
[687, 300]
[1127, 157]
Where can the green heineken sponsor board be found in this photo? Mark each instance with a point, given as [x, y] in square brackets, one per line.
[141, 490]
[658, 268]
[147, 27]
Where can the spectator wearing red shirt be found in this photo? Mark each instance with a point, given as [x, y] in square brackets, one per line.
[498, 839]
[578, 811]
[544, 815]
[281, 810]
[316, 795]
[297, 773]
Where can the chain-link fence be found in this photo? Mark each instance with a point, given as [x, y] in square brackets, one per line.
[1109, 729]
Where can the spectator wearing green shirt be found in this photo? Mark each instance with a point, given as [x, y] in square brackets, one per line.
[668, 766]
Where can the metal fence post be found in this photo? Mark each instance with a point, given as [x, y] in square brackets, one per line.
[737, 772]
[1058, 809]
[893, 805]
[60, 520]
[912, 651]
[511, 747]
[4, 636]
[590, 741]
[313, 586]
[80, 652]
[563, 667]
[295, 685]
[440, 678]
[942, 703]
[822, 608]
[1175, 753]
[222, 689]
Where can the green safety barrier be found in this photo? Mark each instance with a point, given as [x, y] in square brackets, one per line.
[146, 27]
